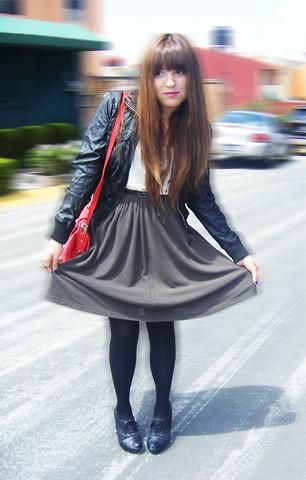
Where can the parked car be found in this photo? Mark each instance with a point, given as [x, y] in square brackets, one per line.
[296, 130]
[247, 134]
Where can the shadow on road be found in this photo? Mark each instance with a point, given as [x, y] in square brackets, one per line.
[230, 410]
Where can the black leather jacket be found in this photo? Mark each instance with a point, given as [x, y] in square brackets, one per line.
[88, 169]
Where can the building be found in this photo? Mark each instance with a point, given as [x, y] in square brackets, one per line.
[243, 80]
[297, 83]
[42, 65]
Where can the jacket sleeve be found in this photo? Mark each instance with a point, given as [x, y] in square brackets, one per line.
[87, 170]
[204, 206]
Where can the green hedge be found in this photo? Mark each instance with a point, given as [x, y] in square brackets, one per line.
[35, 135]
[14, 142]
[7, 169]
[63, 132]
[11, 143]
[51, 160]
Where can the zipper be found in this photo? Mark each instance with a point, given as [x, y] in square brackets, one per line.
[129, 105]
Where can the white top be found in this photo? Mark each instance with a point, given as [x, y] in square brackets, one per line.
[136, 180]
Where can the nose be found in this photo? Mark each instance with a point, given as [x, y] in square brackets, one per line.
[170, 79]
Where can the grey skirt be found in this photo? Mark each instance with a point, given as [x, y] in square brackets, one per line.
[142, 265]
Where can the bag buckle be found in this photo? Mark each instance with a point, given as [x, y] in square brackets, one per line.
[84, 227]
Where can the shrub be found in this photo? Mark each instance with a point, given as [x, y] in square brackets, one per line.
[51, 159]
[7, 169]
[63, 132]
[36, 135]
[11, 143]
[14, 142]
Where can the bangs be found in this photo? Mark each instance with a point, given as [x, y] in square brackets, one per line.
[171, 56]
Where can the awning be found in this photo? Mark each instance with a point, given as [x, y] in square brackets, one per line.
[28, 32]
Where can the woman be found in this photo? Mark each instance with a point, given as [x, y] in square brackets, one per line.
[146, 263]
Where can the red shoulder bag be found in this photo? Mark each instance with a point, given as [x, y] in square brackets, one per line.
[79, 239]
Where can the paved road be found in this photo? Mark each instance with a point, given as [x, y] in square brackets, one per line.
[240, 380]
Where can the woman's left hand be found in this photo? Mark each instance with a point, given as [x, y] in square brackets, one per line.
[249, 263]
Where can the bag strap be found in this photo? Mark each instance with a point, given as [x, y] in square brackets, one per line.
[112, 140]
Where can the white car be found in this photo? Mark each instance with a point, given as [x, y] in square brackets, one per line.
[247, 134]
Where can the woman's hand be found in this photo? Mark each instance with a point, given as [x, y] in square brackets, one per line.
[249, 263]
[51, 254]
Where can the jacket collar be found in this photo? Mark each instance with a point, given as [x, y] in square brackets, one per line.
[131, 100]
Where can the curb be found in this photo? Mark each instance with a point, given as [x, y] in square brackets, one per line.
[31, 196]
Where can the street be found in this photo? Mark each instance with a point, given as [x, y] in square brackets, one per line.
[239, 385]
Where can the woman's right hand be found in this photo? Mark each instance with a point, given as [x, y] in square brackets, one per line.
[50, 255]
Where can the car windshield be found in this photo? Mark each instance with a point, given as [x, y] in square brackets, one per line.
[243, 117]
[299, 115]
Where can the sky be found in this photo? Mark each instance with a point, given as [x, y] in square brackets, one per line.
[261, 27]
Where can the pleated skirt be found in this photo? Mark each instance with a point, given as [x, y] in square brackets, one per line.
[143, 265]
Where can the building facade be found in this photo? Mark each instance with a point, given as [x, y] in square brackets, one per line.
[45, 49]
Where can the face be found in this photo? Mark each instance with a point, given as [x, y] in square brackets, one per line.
[171, 88]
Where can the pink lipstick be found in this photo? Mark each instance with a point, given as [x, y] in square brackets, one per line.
[171, 94]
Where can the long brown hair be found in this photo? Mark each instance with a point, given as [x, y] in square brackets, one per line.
[189, 135]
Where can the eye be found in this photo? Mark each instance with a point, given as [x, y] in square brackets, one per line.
[179, 71]
[160, 72]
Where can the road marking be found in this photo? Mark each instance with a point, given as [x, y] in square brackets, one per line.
[228, 365]
[38, 208]
[20, 261]
[257, 440]
[15, 421]
[25, 233]
[12, 317]
[264, 235]
[25, 353]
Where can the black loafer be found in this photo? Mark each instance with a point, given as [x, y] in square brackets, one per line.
[128, 435]
[160, 434]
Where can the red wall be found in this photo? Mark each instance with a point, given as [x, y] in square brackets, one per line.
[242, 75]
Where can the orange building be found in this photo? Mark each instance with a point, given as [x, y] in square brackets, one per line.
[297, 83]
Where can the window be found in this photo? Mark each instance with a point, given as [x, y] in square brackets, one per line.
[9, 6]
[74, 4]
[74, 9]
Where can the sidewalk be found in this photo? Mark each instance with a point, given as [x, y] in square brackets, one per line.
[31, 196]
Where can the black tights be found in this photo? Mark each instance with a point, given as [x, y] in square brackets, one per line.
[122, 358]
